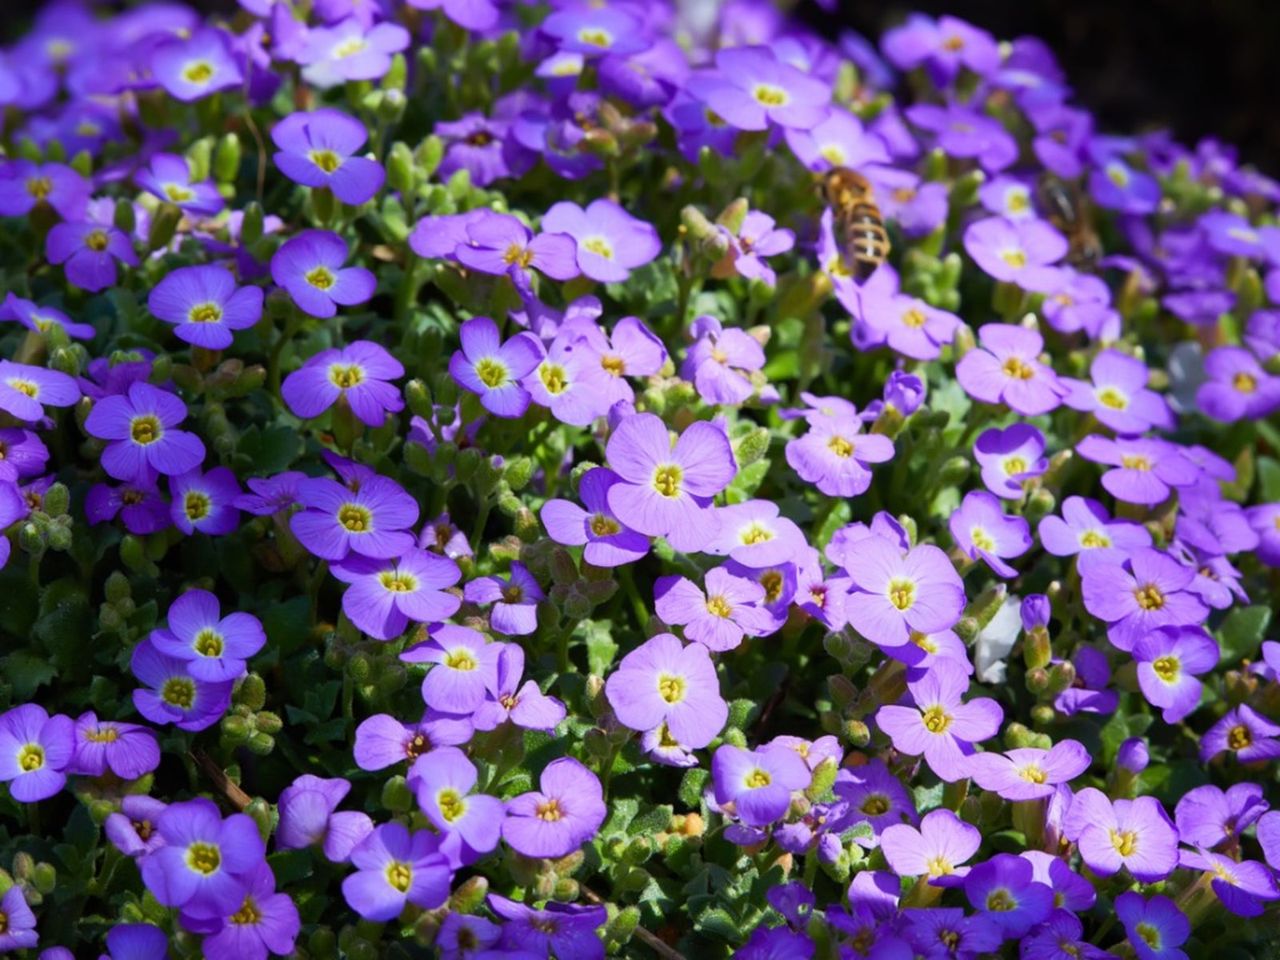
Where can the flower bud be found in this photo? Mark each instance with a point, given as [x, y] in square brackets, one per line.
[261, 743]
[620, 929]
[842, 690]
[751, 447]
[164, 224]
[953, 471]
[252, 692]
[1133, 755]
[226, 159]
[396, 795]
[856, 733]
[391, 108]
[470, 895]
[268, 722]
[56, 500]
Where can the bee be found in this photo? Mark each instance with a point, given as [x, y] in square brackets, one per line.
[858, 221]
[1068, 210]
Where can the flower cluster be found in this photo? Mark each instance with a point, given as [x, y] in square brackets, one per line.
[475, 479]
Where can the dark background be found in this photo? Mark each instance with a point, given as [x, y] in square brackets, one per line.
[1199, 67]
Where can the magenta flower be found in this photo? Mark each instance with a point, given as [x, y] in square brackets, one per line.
[469, 823]
[309, 816]
[395, 868]
[205, 502]
[1238, 386]
[1136, 834]
[982, 531]
[386, 594]
[897, 594]
[611, 242]
[357, 373]
[175, 694]
[1003, 890]
[1030, 773]
[1156, 928]
[1009, 458]
[1006, 369]
[1118, 395]
[515, 600]
[936, 850]
[140, 429]
[24, 185]
[1137, 593]
[203, 859]
[607, 542]
[214, 647]
[25, 390]
[758, 783]
[1085, 525]
[465, 671]
[168, 178]
[1144, 469]
[89, 252]
[751, 89]
[730, 609]
[595, 32]
[939, 725]
[876, 796]
[1243, 732]
[664, 490]
[270, 495]
[132, 829]
[1169, 660]
[372, 521]
[128, 750]
[720, 361]
[310, 268]
[1233, 235]
[1264, 518]
[318, 149]
[1269, 837]
[493, 369]
[196, 66]
[36, 751]
[205, 305]
[664, 683]
[560, 816]
[524, 705]
[350, 50]
[20, 923]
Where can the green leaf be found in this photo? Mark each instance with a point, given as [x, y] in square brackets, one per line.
[621, 812]
[271, 450]
[601, 648]
[691, 786]
[287, 624]
[1242, 632]
[742, 712]
[651, 822]
[717, 922]
[27, 672]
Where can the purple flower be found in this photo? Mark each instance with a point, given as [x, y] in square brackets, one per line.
[664, 490]
[169, 179]
[270, 495]
[493, 369]
[1208, 816]
[944, 47]
[132, 829]
[395, 868]
[1237, 386]
[1243, 732]
[837, 141]
[24, 185]
[1243, 886]
[139, 505]
[1136, 834]
[461, 935]
[1081, 301]
[140, 429]
[524, 705]
[1003, 890]
[176, 696]
[481, 146]
[19, 928]
[357, 373]
[567, 929]
[935, 851]
[1169, 660]
[317, 149]
[944, 933]
[906, 324]
[214, 647]
[983, 532]
[263, 922]
[350, 50]
[515, 600]
[372, 521]
[664, 683]
[465, 671]
[1020, 252]
[1118, 395]
[89, 252]
[1137, 593]
[383, 741]
[1156, 928]
[897, 594]
[607, 542]
[203, 859]
[595, 32]
[1265, 520]
[751, 88]
[470, 823]
[720, 361]
[36, 751]
[385, 594]
[1009, 458]
[499, 244]
[205, 502]
[1070, 890]
[126, 749]
[964, 132]
[939, 725]
[1115, 185]
[719, 618]
[1233, 235]
[1144, 468]
[25, 390]
[758, 783]
[556, 819]
[1086, 525]
[611, 242]
[42, 319]
[1029, 773]
[631, 350]
[1269, 837]
[753, 534]
[196, 66]
[309, 267]
[205, 305]
[1005, 369]
[757, 238]
[570, 382]
[309, 816]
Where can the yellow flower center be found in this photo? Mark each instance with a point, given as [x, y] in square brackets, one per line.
[670, 687]
[400, 875]
[102, 735]
[758, 778]
[755, 534]
[199, 72]
[1118, 175]
[1125, 842]
[718, 606]
[197, 505]
[834, 154]
[1166, 668]
[1014, 258]
[599, 246]
[603, 526]
[1113, 398]
[902, 593]
[205, 313]
[982, 540]
[1093, 539]
[666, 480]
[613, 364]
[549, 810]
[96, 240]
[1000, 901]
[554, 378]
[31, 757]
[492, 373]
[1150, 934]
[451, 804]
[321, 278]
[178, 193]
[953, 43]
[1017, 201]
[355, 518]
[461, 658]
[770, 95]
[1245, 382]
[1149, 597]
[517, 255]
[326, 160]
[772, 583]
[39, 187]
[1018, 369]
[875, 805]
[841, 447]
[513, 593]
[345, 376]
[923, 641]
[1135, 461]
[248, 915]
[595, 37]
[25, 387]
[204, 858]
[940, 866]
[1033, 774]
[349, 48]
[397, 581]
[1015, 465]
[1239, 737]
[208, 643]
[145, 429]
[936, 720]
[179, 692]
[913, 318]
